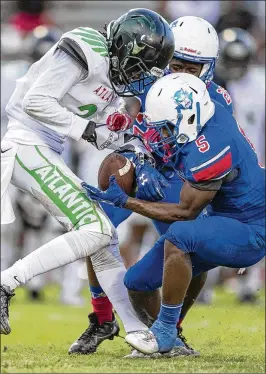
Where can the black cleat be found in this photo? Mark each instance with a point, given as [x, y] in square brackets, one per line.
[184, 340]
[94, 335]
[5, 293]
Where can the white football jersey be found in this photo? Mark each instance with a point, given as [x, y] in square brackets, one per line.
[57, 97]
[248, 95]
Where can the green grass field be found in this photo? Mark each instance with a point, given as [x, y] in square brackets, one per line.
[230, 337]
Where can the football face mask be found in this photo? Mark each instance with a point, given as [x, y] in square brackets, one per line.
[140, 45]
[163, 139]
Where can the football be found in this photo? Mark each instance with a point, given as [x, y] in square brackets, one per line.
[122, 168]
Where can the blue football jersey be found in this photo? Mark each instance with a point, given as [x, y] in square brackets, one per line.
[220, 94]
[221, 148]
[216, 92]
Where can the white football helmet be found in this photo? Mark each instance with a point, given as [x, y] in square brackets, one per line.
[197, 41]
[177, 107]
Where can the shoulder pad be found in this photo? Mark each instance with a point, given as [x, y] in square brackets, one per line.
[72, 48]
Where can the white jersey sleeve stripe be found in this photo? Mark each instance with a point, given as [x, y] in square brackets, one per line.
[211, 160]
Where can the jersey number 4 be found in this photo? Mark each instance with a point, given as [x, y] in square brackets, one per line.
[202, 144]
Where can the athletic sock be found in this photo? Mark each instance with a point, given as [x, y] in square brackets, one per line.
[96, 292]
[101, 305]
[111, 280]
[170, 313]
[103, 309]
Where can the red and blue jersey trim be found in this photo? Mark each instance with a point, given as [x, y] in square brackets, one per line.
[215, 168]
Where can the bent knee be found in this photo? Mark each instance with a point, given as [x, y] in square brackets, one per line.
[136, 280]
[180, 235]
[171, 249]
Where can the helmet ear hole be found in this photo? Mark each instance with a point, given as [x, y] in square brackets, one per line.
[191, 119]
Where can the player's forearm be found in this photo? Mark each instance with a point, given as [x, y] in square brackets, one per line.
[47, 110]
[166, 212]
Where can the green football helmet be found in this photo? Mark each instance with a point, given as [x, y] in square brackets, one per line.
[140, 44]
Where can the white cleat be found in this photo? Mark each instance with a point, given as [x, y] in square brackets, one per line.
[175, 352]
[143, 341]
[136, 354]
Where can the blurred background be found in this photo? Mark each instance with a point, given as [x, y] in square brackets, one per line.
[30, 27]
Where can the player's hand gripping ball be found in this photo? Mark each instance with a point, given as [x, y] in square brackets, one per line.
[116, 180]
[114, 195]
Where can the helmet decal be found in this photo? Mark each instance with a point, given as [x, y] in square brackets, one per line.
[183, 99]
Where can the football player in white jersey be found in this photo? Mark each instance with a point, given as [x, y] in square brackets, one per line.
[80, 77]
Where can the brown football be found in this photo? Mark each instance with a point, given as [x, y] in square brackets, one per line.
[122, 168]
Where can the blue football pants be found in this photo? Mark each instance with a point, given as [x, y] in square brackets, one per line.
[211, 241]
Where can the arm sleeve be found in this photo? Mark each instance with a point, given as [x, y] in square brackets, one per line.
[208, 186]
[42, 100]
[216, 184]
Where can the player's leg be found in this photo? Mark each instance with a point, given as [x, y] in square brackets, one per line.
[192, 247]
[102, 322]
[42, 172]
[143, 281]
[197, 283]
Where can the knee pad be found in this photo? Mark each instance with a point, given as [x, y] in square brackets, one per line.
[107, 257]
[147, 274]
[85, 242]
[140, 281]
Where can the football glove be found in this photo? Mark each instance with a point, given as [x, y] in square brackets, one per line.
[114, 195]
[150, 182]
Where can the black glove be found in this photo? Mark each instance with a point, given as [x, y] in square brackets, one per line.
[90, 134]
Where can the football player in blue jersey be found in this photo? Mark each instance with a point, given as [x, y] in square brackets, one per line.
[220, 170]
[196, 52]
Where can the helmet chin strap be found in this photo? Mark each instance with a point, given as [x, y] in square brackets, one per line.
[206, 73]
